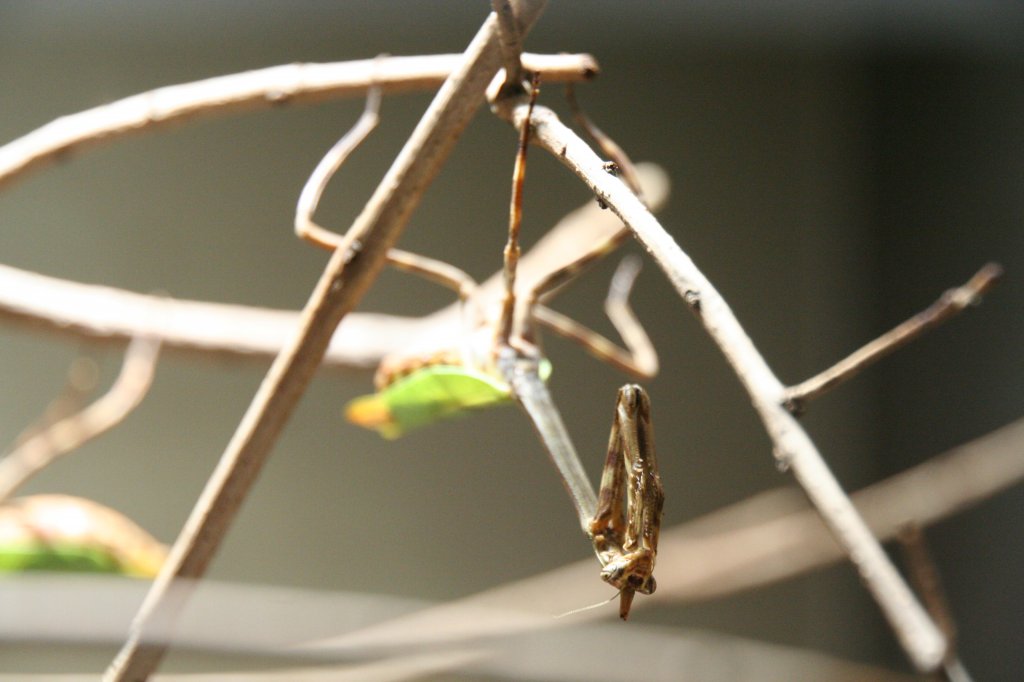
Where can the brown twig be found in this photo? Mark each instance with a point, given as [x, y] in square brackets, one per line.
[46, 445]
[349, 273]
[924, 575]
[921, 639]
[950, 304]
[258, 89]
[611, 148]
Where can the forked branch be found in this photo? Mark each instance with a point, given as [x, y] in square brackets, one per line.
[950, 304]
[793, 448]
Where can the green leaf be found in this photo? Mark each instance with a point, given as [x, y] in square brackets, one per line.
[428, 395]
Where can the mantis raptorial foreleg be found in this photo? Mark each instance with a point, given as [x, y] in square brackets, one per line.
[437, 271]
[499, 359]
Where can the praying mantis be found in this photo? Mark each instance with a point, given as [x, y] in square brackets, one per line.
[498, 359]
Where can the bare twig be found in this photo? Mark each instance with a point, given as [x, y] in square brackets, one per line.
[106, 314]
[348, 275]
[261, 88]
[924, 576]
[609, 146]
[60, 438]
[950, 304]
[793, 448]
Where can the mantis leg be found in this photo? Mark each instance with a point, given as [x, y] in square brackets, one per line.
[639, 357]
[627, 521]
[436, 271]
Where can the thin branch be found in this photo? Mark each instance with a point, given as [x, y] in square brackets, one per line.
[258, 89]
[42, 448]
[924, 576]
[309, 197]
[349, 273]
[950, 304]
[793, 448]
[107, 314]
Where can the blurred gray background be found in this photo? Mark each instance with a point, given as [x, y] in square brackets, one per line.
[834, 166]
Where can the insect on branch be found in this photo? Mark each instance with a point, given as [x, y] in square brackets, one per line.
[339, 289]
[921, 639]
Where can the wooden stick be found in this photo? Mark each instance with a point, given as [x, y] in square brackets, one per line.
[349, 273]
[258, 89]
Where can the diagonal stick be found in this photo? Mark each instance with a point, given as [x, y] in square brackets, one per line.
[349, 273]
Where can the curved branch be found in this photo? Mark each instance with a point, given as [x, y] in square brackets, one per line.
[258, 89]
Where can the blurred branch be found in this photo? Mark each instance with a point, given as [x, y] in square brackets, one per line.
[107, 314]
[924, 575]
[264, 620]
[793, 448]
[69, 433]
[767, 538]
[950, 304]
[349, 273]
[258, 89]
[770, 537]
